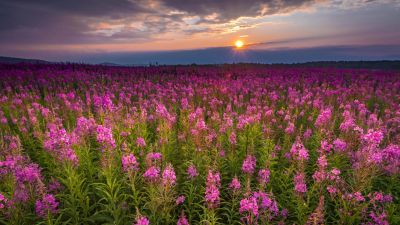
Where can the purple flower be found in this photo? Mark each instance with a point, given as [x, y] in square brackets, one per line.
[235, 184]
[142, 220]
[152, 174]
[46, 205]
[105, 137]
[249, 164]
[180, 200]
[182, 220]
[129, 163]
[298, 151]
[3, 201]
[339, 145]
[249, 205]
[299, 183]
[168, 176]
[140, 142]
[232, 138]
[191, 171]
[263, 176]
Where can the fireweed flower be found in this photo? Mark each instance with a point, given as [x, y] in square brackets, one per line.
[299, 183]
[192, 171]
[140, 142]
[299, 152]
[339, 145]
[153, 157]
[249, 205]
[152, 174]
[232, 138]
[142, 220]
[168, 176]
[180, 200]
[105, 137]
[249, 164]
[46, 205]
[323, 118]
[3, 201]
[212, 191]
[182, 219]
[263, 176]
[129, 163]
[235, 184]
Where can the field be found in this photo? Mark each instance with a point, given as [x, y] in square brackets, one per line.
[231, 144]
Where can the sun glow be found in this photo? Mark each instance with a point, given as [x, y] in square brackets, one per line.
[239, 44]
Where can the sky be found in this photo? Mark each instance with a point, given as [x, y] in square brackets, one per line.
[200, 31]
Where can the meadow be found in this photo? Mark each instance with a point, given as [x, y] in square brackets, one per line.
[229, 144]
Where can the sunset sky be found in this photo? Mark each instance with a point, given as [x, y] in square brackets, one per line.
[123, 30]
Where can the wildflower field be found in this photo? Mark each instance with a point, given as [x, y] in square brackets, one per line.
[232, 144]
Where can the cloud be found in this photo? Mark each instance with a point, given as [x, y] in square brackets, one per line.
[71, 22]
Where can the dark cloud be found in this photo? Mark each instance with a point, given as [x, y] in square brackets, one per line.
[226, 10]
[71, 21]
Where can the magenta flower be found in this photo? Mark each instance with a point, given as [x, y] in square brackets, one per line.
[192, 171]
[182, 220]
[3, 201]
[46, 205]
[152, 174]
[235, 184]
[142, 220]
[299, 152]
[263, 176]
[299, 183]
[249, 205]
[180, 200]
[129, 163]
[140, 142]
[249, 164]
[168, 176]
[105, 137]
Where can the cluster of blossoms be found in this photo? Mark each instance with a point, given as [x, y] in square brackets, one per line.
[212, 189]
[192, 171]
[299, 152]
[300, 183]
[168, 176]
[258, 204]
[105, 137]
[46, 205]
[249, 164]
[129, 163]
[59, 144]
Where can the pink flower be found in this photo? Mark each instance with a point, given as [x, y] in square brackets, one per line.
[142, 220]
[235, 184]
[299, 183]
[249, 205]
[182, 220]
[263, 176]
[168, 176]
[152, 174]
[46, 205]
[140, 142]
[339, 145]
[191, 171]
[249, 164]
[298, 151]
[232, 138]
[129, 163]
[180, 200]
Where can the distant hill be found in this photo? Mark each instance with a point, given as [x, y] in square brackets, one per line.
[382, 64]
[13, 60]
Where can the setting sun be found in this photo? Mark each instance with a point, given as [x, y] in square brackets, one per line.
[239, 44]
